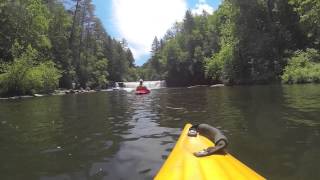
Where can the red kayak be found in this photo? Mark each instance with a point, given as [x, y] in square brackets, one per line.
[142, 90]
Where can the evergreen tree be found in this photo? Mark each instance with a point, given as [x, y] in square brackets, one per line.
[71, 45]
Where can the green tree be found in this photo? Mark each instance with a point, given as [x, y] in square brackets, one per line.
[68, 44]
[59, 28]
[309, 12]
[26, 75]
[26, 21]
[303, 67]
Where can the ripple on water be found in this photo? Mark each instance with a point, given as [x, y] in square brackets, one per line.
[53, 150]
[108, 144]
[144, 171]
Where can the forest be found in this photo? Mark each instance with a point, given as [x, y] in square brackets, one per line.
[50, 44]
[45, 46]
[242, 42]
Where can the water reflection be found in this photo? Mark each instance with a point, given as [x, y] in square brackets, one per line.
[118, 135]
[142, 148]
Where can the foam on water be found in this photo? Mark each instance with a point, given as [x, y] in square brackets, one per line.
[131, 86]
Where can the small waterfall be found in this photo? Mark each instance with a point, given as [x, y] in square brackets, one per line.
[130, 86]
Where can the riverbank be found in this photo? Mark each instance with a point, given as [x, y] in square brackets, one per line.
[59, 92]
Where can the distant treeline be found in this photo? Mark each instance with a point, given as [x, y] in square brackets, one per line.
[242, 42]
[44, 45]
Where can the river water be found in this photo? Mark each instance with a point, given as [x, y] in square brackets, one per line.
[275, 130]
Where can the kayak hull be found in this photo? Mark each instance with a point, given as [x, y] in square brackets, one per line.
[141, 92]
[182, 164]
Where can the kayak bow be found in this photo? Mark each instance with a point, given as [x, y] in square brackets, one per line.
[182, 164]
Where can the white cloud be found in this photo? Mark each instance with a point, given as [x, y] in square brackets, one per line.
[139, 21]
[201, 6]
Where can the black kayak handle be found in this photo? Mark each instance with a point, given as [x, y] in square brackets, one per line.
[213, 134]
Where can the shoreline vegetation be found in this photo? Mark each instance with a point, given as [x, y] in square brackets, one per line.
[242, 42]
[45, 45]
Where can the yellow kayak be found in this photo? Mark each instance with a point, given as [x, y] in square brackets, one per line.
[182, 164]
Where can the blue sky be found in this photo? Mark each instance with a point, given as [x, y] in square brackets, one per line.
[139, 21]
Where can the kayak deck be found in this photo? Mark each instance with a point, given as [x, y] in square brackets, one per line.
[182, 164]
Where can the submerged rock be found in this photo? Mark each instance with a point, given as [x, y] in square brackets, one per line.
[38, 95]
[198, 86]
[217, 85]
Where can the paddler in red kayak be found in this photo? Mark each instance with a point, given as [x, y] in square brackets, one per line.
[141, 86]
[141, 89]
